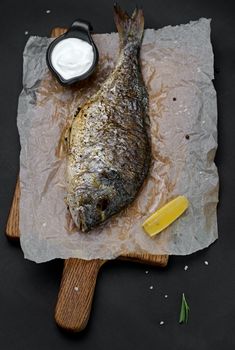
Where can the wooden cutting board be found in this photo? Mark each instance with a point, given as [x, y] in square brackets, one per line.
[79, 276]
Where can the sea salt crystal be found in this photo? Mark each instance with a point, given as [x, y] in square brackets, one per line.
[151, 287]
[186, 268]
[48, 11]
[161, 323]
[146, 271]
[76, 289]
[206, 263]
[26, 32]
[166, 296]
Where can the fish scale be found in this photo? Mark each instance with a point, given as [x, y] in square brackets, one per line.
[109, 147]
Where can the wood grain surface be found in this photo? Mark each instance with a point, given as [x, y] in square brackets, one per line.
[12, 228]
[79, 276]
[76, 293]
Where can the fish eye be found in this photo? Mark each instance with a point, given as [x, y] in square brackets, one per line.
[104, 174]
[102, 204]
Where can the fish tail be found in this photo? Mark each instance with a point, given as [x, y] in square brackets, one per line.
[130, 28]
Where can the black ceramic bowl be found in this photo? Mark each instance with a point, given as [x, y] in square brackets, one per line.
[81, 30]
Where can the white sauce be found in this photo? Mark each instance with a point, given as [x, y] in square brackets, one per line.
[72, 57]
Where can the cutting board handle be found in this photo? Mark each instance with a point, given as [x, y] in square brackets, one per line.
[76, 293]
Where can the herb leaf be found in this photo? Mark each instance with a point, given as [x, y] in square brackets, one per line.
[184, 311]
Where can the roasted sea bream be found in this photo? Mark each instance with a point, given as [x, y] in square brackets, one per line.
[108, 145]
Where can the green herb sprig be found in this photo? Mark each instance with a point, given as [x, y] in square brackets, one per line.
[184, 311]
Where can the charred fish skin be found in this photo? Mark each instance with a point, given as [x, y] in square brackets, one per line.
[109, 149]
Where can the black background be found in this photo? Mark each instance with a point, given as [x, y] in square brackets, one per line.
[126, 313]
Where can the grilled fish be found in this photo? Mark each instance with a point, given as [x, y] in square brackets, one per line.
[108, 145]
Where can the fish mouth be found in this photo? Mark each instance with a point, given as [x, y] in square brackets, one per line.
[79, 218]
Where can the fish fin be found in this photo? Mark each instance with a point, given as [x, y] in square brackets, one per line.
[130, 28]
[63, 145]
[70, 225]
[76, 112]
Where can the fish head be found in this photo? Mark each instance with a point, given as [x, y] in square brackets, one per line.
[90, 207]
[101, 195]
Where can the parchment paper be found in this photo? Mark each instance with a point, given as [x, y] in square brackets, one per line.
[177, 65]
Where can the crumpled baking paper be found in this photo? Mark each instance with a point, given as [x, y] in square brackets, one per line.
[177, 66]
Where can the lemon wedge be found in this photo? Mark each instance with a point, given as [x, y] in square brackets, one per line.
[165, 216]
